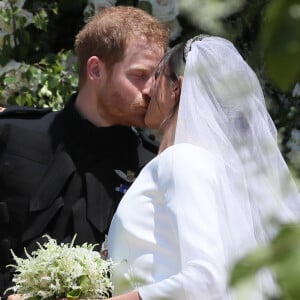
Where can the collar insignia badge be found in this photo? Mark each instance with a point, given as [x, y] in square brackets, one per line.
[129, 176]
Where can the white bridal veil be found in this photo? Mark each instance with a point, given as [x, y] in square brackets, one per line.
[222, 109]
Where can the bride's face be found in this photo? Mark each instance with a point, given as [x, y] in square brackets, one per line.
[162, 99]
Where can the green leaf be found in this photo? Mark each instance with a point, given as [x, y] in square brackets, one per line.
[286, 241]
[9, 80]
[280, 40]
[74, 294]
[146, 6]
[53, 82]
[250, 264]
[287, 274]
[84, 283]
[28, 98]
[40, 20]
[21, 21]
[6, 15]
[55, 8]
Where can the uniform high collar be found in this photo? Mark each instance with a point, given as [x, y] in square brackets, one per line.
[82, 138]
[85, 132]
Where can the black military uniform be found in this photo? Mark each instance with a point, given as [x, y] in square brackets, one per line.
[61, 175]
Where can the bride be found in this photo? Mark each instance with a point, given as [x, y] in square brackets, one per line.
[209, 196]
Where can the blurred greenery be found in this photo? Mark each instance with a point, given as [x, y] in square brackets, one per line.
[38, 68]
[281, 256]
[280, 42]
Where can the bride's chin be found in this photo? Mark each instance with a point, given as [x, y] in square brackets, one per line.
[150, 123]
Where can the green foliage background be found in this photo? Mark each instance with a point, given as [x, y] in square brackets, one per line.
[38, 68]
[39, 49]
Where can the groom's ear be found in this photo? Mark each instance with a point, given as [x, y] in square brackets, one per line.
[95, 68]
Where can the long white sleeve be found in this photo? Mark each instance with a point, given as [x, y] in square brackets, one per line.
[190, 189]
[167, 236]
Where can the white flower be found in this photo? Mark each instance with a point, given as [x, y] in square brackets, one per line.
[59, 271]
[44, 91]
[296, 90]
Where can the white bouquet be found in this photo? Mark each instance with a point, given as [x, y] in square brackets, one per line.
[60, 271]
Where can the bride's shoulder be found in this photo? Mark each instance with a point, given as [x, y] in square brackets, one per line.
[188, 157]
[185, 150]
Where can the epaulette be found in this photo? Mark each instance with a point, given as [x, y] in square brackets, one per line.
[18, 111]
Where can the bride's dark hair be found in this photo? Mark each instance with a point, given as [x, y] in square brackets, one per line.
[171, 66]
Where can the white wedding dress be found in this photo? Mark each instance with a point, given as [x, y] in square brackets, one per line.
[169, 236]
[204, 202]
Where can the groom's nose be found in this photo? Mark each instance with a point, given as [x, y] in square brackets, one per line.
[147, 87]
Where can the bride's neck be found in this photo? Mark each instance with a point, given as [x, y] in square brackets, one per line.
[168, 134]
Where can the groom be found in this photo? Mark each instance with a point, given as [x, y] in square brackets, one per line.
[65, 172]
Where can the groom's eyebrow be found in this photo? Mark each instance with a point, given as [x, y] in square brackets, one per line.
[141, 68]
